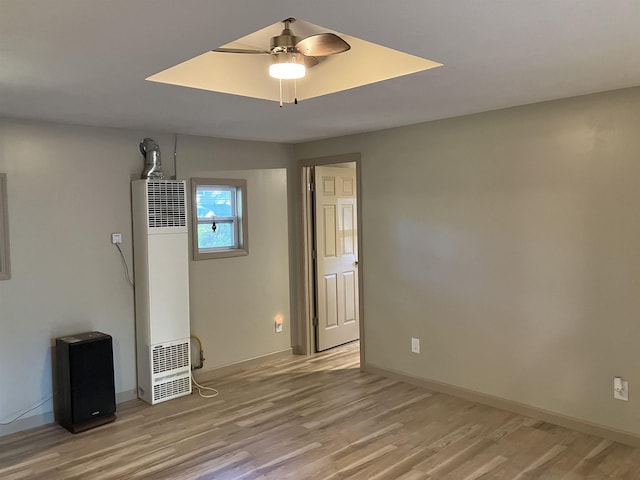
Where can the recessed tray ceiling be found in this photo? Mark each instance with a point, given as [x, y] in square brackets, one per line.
[248, 75]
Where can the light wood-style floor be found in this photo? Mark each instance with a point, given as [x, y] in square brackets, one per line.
[316, 418]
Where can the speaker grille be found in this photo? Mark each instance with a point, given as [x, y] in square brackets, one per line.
[85, 387]
[171, 389]
[171, 357]
[166, 204]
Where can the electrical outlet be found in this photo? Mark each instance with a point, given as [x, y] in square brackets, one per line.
[620, 389]
[116, 238]
[277, 322]
[415, 345]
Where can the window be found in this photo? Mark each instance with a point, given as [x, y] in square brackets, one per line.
[4, 229]
[219, 226]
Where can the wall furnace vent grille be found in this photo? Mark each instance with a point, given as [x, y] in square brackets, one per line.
[171, 389]
[166, 204]
[170, 357]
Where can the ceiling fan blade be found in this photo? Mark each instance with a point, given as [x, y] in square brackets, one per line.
[309, 61]
[322, 44]
[241, 50]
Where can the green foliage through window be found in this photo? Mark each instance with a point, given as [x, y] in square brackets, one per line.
[222, 237]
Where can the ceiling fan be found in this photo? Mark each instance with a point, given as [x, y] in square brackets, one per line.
[292, 55]
[241, 66]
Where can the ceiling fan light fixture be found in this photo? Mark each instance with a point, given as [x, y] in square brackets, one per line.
[287, 71]
[287, 68]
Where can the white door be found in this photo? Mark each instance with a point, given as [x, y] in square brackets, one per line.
[336, 241]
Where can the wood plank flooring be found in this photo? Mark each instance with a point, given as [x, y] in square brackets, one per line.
[315, 418]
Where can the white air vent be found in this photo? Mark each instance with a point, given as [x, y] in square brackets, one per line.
[171, 389]
[166, 204]
[170, 357]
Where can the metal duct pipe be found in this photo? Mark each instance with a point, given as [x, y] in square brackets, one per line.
[150, 150]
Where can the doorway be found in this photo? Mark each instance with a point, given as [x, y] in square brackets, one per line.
[332, 261]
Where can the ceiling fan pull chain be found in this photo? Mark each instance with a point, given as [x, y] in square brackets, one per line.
[280, 93]
[295, 92]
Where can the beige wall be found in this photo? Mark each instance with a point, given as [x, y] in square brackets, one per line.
[508, 243]
[69, 189]
[234, 301]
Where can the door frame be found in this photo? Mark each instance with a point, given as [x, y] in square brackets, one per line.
[306, 291]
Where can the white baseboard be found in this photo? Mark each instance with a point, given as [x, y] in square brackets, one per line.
[576, 424]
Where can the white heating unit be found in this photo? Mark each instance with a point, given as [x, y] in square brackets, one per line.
[160, 242]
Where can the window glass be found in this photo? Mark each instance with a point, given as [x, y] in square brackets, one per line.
[222, 237]
[215, 201]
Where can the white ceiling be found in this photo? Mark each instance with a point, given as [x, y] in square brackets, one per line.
[85, 61]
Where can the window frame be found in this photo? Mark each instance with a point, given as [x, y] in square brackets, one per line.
[238, 221]
[5, 266]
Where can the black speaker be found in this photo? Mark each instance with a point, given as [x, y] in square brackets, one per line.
[85, 394]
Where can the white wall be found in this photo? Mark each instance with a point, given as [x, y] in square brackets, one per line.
[508, 243]
[69, 189]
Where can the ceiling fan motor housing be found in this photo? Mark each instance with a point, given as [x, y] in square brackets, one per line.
[285, 42]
